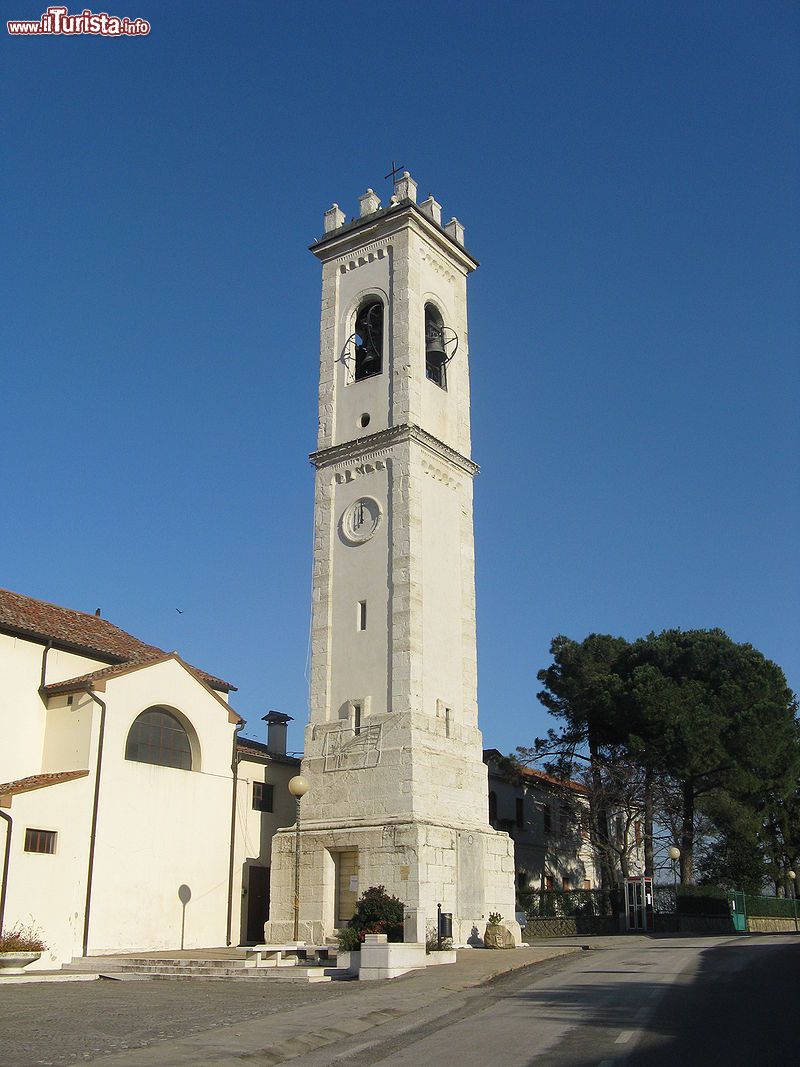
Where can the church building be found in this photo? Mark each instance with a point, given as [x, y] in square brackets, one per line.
[132, 816]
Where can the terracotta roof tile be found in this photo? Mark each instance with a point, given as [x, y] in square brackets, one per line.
[76, 630]
[38, 781]
[246, 746]
[577, 787]
[70, 685]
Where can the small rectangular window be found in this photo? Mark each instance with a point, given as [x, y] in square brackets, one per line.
[263, 796]
[356, 718]
[565, 884]
[362, 615]
[40, 841]
[587, 884]
[548, 882]
[447, 722]
[520, 811]
[548, 822]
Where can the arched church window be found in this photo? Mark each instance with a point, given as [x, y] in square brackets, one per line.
[435, 355]
[369, 339]
[157, 736]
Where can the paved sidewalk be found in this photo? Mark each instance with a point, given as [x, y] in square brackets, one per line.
[275, 1038]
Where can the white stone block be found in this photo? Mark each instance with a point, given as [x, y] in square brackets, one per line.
[455, 230]
[432, 209]
[380, 959]
[369, 202]
[334, 218]
[406, 188]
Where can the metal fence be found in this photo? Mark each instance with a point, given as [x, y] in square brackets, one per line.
[569, 903]
[770, 907]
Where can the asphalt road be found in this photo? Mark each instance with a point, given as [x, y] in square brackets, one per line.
[685, 1002]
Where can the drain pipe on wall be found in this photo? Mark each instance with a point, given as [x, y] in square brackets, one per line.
[6, 863]
[235, 773]
[47, 648]
[95, 805]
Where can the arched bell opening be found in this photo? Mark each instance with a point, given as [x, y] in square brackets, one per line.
[368, 339]
[436, 357]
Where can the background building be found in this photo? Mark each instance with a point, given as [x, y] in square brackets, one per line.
[549, 821]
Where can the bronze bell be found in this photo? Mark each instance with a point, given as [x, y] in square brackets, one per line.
[434, 344]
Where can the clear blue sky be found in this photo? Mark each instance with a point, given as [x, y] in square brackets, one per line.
[627, 174]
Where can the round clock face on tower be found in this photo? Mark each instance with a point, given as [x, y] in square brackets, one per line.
[360, 520]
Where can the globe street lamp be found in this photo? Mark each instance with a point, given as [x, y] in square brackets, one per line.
[791, 876]
[675, 855]
[298, 787]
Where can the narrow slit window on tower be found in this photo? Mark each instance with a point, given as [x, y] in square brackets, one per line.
[435, 355]
[356, 717]
[362, 615]
[369, 340]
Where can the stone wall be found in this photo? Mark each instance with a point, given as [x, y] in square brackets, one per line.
[770, 925]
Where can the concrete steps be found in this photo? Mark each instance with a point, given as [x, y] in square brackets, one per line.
[137, 968]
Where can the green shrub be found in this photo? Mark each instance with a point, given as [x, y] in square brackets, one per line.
[377, 912]
[769, 907]
[702, 900]
[349, 941]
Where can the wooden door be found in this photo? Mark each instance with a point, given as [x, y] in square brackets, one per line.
[257, 903]
[346, 886]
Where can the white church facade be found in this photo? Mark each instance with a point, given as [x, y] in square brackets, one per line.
[132, 816]
[393, 754]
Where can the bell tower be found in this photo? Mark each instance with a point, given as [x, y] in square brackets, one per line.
[393, 755]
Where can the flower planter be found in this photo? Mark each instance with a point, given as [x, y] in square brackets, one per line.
[447, 955]
[15, 962]
[349, 961]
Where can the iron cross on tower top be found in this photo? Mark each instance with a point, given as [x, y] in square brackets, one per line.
[393, 173]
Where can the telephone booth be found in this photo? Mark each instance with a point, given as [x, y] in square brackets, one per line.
[638, 897]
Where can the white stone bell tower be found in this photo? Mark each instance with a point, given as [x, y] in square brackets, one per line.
[398, 789]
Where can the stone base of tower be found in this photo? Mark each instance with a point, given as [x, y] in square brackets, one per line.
[469, 872]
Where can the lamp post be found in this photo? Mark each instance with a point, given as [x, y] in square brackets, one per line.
[675, 855]
[298, 787]
[791, 876]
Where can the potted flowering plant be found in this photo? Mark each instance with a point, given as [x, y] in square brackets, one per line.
[18, 947]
